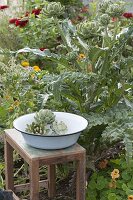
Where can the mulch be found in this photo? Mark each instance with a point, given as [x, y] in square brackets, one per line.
[65, 191]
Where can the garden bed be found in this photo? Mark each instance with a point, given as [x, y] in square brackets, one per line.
[68, 57]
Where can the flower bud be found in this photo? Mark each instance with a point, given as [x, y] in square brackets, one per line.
[115, 10]
[87, 29]
[53, 9]
[103, 6]
[104, 19]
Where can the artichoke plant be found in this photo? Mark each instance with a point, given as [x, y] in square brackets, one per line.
[71, 55]
[104, 19]
[116, 10]
[103, 5]
[87, 29]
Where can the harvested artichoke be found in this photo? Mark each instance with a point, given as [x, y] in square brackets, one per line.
[59, 128]
[45, 124]
[45, 116]
[39, 129]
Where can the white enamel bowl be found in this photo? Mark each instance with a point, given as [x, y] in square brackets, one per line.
[75, 125]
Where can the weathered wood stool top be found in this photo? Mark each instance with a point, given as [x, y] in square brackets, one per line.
[29, 153]
[38, 157]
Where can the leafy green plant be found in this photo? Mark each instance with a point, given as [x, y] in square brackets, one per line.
[113, 182]
[90, 74]
[96, 76]
[45, 33]
[10, 39]
[1, 175]
[20, 91]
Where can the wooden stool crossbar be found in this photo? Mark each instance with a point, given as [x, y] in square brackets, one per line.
[39, 157]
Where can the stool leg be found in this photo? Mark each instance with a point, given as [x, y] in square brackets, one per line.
[81, 180]
[51, 181]
[9, 166]
[34, 180]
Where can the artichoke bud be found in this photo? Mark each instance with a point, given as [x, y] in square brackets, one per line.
[44, 116]
[54, 9]
[104, 19]
[35, 128]
[45, 124]
[60, 128]
[103, 6]
[115, 10]
[87, 29]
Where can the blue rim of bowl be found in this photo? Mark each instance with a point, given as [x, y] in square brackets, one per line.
[50, 135]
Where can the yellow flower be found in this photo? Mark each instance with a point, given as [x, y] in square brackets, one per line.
[130, 197]
[11, 109]
[16, 103]
[81, 56]
[115, 174]
[25, 64]
[7, 97]
[36, 68]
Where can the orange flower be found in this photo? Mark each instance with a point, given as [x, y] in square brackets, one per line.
[115, 174]
[16, 103]
[7, 97]
[81, 56]
[103, 164]
[25, 64]
[130, 197]
[36, 68]
[84, 9]
[11, 109]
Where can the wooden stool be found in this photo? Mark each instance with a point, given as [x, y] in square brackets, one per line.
[38, 157]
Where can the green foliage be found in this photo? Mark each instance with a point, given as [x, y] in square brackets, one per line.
[92, 76]
[20, 92]
[45, 33]
[54, 9]
[90, 73]
[69, 2]
[101, 186]
[96, 76]
[63, 2]
[1, 175]
[81, 86]
[9, 38]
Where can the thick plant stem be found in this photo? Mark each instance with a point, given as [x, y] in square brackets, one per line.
[65, 42]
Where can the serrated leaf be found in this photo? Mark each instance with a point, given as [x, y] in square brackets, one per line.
[126, 176]
[101, 183]
[128, 103]
[112, 196]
